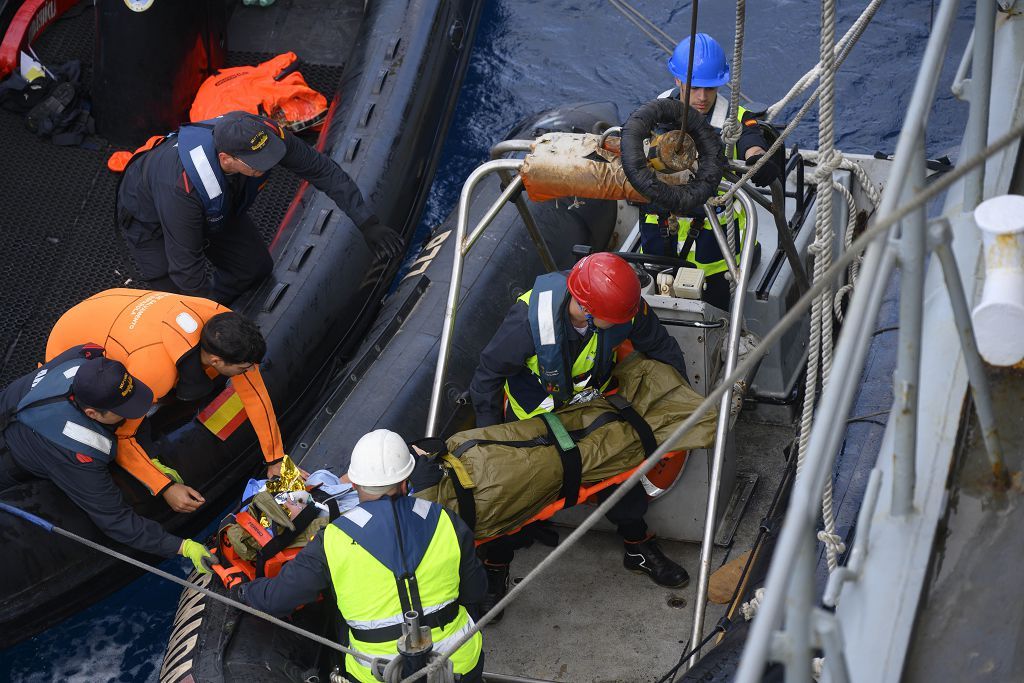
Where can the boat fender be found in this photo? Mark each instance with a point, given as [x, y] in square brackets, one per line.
[679, 199]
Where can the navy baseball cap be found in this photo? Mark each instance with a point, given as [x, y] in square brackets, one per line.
[105, 384]
[253, 139]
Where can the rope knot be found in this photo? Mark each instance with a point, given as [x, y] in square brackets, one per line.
[817, 668]
[731, 132]
[818, 246]
[834, 542]
[749, 609]
[827, 163]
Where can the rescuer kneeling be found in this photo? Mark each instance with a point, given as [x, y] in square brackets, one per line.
[558, 340]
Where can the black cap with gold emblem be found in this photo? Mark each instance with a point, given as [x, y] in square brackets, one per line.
[258, 142]
[105, 384]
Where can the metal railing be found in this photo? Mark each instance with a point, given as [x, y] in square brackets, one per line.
[789, 590]
[742, 275]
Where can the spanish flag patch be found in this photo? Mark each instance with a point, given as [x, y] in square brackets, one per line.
[224, 414]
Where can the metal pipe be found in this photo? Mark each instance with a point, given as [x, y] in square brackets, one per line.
[980, 92]
[907, 377]
[778, 207]
[492, 213]
[942, 236]
[444, 346]
[802, 513]
[506, 147]
[506, 678]
[835, 403]
[606, 133]
[961, 71]
[916, 119]
[722, 431]
[827, 627]
[723, 244]
[851, 572]
[799, 607]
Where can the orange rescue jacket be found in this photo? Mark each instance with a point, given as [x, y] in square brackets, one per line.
[149, 332]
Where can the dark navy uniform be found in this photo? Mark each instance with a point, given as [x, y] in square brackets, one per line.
[85, 479]
[506, 354]
[164, 221]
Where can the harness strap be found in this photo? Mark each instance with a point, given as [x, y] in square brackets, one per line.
[639, 425]
[696, 225]
[286, 537]
[387, 634]
[569, 454]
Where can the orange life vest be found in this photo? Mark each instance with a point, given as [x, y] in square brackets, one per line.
[149, 332]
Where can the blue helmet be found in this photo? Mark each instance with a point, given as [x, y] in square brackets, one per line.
[710, 69]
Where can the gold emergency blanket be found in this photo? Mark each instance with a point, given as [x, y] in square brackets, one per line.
[510, 484]
[575, 165]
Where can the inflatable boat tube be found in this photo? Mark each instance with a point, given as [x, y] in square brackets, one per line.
[400, 81]
[387, 385]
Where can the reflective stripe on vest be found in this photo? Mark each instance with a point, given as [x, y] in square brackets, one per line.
[202, 166]
[48, 411]
[365, 585]
[530, 393]
[705, 253]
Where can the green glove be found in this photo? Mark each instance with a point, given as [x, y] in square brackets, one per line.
[171, 473]
[201, 558]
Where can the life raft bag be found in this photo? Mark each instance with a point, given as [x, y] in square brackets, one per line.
[274, 89]
[501, 477]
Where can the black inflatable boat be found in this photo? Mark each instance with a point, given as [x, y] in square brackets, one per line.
[387, 384]
[393, 68]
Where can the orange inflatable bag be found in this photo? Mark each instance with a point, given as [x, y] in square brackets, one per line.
[274, 89]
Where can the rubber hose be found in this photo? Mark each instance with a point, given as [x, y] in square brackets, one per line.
[679, 199]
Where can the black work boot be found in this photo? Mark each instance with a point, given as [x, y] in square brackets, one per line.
[645, 557]
[497, 587]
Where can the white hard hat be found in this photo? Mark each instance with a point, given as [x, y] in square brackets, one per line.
[380, 458]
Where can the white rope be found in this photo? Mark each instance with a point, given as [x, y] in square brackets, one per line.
[724, 199]
[749, 609]
[881, 226]
[731, 130]
[854, 270]
[851, 37]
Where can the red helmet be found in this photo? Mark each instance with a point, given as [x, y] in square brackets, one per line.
[606, 286]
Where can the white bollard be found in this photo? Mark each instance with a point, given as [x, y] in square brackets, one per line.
[999, 317]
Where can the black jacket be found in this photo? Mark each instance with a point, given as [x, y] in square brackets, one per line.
[506, 354]
[308, 575]
[153, 191]
[85, 481]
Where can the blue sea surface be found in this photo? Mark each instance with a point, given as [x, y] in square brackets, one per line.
[531, 55]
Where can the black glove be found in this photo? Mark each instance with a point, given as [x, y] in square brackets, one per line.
[769, 172]
[382, 240]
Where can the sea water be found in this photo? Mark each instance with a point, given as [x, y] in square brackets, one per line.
[532, 55]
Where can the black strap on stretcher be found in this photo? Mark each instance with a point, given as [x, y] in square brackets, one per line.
[639, 425]
[467, 504]
[565, 442]
[569, 454]
[286, 537]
